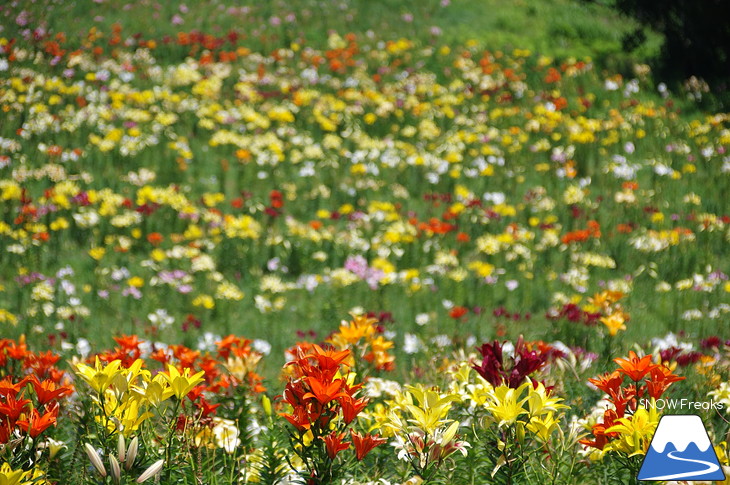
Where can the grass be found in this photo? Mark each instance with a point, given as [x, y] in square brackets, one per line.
[556, 28]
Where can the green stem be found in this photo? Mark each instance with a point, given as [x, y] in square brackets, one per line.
[171, 434]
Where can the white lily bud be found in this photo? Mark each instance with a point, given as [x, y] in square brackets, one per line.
[121, 451]
[115, 470]
[153, 470]
[95, 459]
[131, 453]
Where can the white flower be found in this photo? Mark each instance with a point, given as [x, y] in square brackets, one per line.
[262, 346]
[441, 341]
[411, 344]
[422, 319]
[226, 433]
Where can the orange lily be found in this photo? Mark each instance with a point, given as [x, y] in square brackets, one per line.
[634, 367]
[661, 378]
[334, 444]
[364, 444]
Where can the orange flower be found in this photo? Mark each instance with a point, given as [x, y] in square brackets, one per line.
[634, 367]
[299, 418]
[36, 424]
[608, 383]
[7, 387]
[334, 444]
[363, 444]
[458, 312]
[580, 235]
[352, 407]
[329, 359]
[552, 76]
[13, 408]
[322, 392]
[155, 238]
[661, 377]
[47, 390]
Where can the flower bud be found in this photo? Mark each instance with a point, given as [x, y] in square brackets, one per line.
[131, 453]
[115, 470]
[153, 470]
[121, 452]
[95, 459]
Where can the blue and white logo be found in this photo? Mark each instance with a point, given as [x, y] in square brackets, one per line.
[681, 450]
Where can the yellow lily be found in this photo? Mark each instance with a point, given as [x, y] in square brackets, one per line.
[155, 391]
[504, 404]
[8, 476]
[431, 410]
[635, 432]
[182, 384]
[99, 377]
[125, 416]
[543, 426]
[539, 403]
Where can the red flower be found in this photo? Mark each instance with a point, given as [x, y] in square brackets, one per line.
[334, 444]
[661, 378]
[363, 444]
[7, 387]
[324, 392]
[352, 407]
[458, 312]
[299, 418]
[13, 407]
[608, 383]
[47, 390]
[36, 424]
[634, 367]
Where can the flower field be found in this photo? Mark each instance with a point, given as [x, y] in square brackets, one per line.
[246, 244]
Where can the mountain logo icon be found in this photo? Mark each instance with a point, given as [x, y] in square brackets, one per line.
[681, 450]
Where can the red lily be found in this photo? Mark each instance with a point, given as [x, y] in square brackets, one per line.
[634, 367]
[352, 407]
[334, 444]
[36, 424]
[13, 407]
[364, 444]
[661, 378]
[47, 390]
[322, 392]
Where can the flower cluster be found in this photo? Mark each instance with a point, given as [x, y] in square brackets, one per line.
[425, 436]
[322, 396]
[363, 336]
[626, 427]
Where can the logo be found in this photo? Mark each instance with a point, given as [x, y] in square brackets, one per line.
[681, 450]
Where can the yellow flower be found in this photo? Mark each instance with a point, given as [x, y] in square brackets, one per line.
[539, 403]
[505, 405]
[7, 317]
[431, 410]
[8, 476]
[614, 322]
[124, 416]
[135, 281]
[182, 384]
[156, 390]
[635, 432]
[99, 377]
[206, 301]
[543, 427]
[97, 253]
